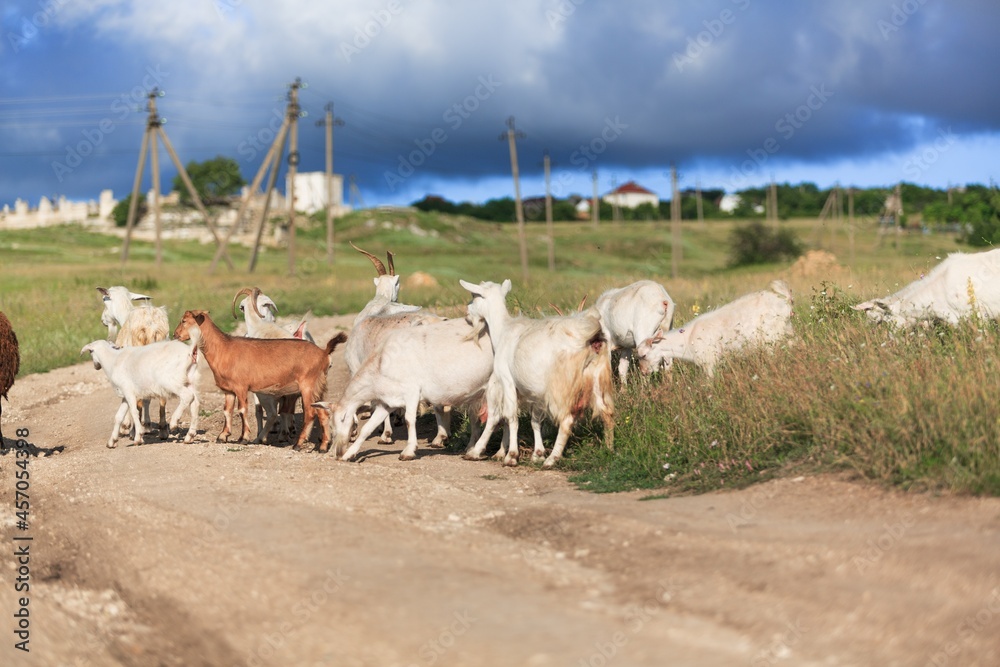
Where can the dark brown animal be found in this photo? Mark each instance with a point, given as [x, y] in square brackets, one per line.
[279, 367]
[10, 361]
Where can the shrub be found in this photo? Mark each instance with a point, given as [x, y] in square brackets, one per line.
[756, 243]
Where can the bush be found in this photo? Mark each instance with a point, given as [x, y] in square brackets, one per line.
[756, 243]
[120, 212]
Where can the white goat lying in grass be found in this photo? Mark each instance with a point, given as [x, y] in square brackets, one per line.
[754, 319]
[159, 370]
[557, 366]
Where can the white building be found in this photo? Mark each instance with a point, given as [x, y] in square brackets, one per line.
[631, 195]
[310, 193]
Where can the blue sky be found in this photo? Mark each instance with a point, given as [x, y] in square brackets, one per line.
[735, 92]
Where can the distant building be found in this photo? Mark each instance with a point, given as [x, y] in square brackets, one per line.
[631, 195]
[729, 202]
[60, 212]
[310, 193]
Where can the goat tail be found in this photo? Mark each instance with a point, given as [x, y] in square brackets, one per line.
[335, 341]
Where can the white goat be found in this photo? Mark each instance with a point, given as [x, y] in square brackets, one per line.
[753, 319]
[631, 314]
[557, 366]
[441, 363]
[380, 316]
[159, 370]
[959, 286]
[131, 325]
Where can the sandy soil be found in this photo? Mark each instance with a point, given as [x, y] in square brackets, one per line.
[214, 554]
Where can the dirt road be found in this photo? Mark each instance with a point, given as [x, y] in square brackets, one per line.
[214, 554]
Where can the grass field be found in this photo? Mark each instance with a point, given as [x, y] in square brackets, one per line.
[913, 410]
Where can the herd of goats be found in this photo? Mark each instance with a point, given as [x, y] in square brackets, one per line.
[491, 363]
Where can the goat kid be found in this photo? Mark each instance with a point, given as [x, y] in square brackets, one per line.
[277, 367]
[555, 367]
[164, 369]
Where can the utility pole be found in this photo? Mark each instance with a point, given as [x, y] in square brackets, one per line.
[273, 161]
[329, 122]
[850, 222]
[675, 224]
[512, 134]
[154, 130]
[772, 203]
[548, 213]
[294, 111]
[357, 201]
[616, 211]
[595, 209]
[701, 212]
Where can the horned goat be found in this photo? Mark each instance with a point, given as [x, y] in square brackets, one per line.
[280, 367]
[441, 363]
[382, 314]
[10, 362]
[960, 286]
[131, 325]
[753, 319]
[163, 369]
[631, 314]
[556, 366]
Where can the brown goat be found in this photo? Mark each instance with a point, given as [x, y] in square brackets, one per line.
[10, 361]
[279, 367]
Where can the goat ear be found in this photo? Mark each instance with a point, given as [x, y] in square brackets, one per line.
[474, 289]
[103, 291]
[505, 286]
[139, 297]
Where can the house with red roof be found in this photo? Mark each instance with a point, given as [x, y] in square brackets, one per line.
[631, 195]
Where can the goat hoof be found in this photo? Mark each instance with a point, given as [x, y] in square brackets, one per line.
[407, 457]
[510, 461]
[548, 465]
[112, 445]
[469, 456]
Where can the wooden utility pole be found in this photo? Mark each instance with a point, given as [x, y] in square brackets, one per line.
[329, 122]
[772, 203]
[675, 224]
[357, 201]
[271, 160]
[850, 223]
[549, 227]
[595, 205]
[154, 130]
[701, 211]
[616, 212]
[294, 111]
[512, 134]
